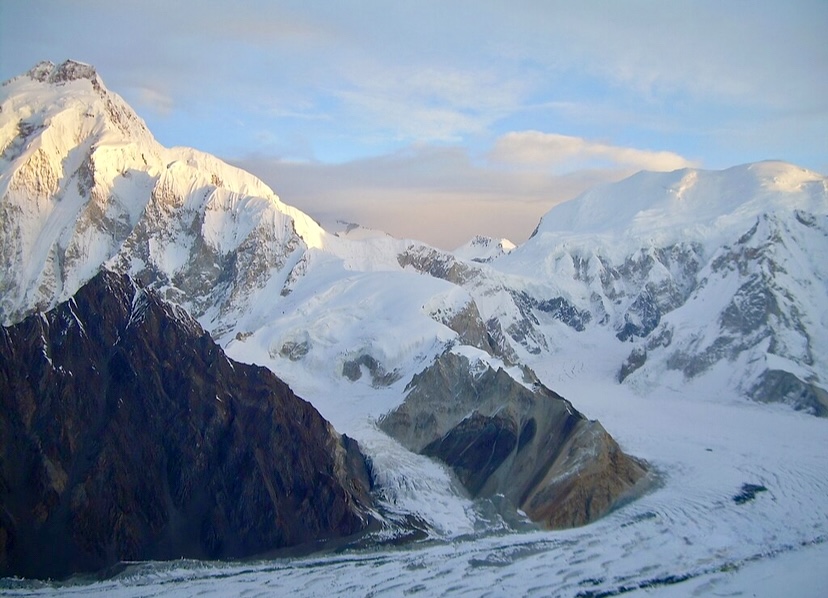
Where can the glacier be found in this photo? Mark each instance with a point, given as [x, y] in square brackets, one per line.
[686, 538]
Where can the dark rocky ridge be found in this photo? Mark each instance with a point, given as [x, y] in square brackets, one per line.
[127, 434]
[69, 70]
[500, 437]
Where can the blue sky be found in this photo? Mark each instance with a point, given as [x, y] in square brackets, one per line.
[439, 120]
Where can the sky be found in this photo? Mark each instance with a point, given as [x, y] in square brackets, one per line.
[439, 120]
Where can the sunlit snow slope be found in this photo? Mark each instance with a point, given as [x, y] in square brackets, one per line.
[83, 183]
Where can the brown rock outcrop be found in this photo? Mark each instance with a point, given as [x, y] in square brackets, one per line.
[500, 437]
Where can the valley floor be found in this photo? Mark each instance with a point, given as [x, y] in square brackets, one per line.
[688, 536]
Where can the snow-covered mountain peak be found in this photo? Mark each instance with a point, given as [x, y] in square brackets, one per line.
[70, 104]
[688, 204]
[83, 182]
[695, 268]
[483, 249]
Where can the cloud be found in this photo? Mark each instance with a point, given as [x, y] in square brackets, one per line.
[380, 75]
[712, 51]
[155, 100]
[438, 194]
[555, 151]
[427, 103]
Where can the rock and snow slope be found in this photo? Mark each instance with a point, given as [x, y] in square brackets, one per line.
[528, 445]
[688, 537]
[691, 270]
[128, 434]
[709, 277]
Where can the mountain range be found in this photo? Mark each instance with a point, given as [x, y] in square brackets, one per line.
[707, 280]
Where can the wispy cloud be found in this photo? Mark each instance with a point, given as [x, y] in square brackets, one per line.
[428, 103]
[699, 50]
[565, 152]
[155, 100]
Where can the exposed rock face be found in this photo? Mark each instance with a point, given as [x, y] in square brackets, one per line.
[352, 370]
[474, 332]
[438, 264]
[483, 250]
[69, 70]
[500, 437]
[778, 386]
[763, 308]
[125, 433]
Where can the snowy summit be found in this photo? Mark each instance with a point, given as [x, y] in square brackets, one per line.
[484, 249]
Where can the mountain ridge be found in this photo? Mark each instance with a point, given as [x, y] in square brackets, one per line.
[217, 241]
[83, 176]
[650, 202]
[129, 435]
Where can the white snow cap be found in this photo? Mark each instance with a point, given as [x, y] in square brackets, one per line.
[683, 200]
[484, 249]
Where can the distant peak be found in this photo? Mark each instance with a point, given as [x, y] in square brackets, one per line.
[481, 241]
[486, 242]
[484, 249]
[697, 203]
[69, 70]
